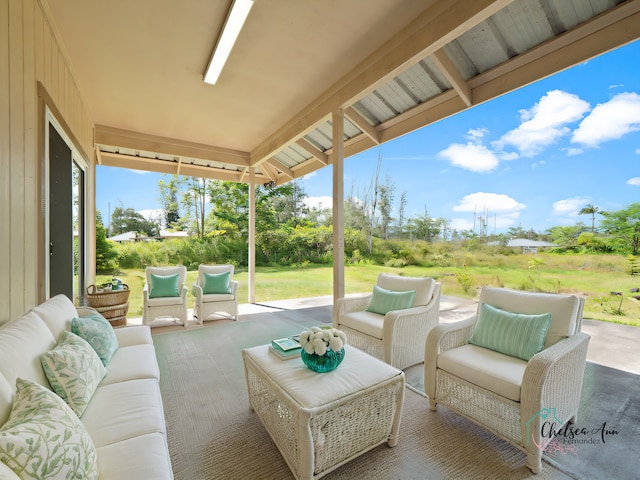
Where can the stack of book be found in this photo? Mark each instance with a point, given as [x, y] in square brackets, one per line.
[286, 348]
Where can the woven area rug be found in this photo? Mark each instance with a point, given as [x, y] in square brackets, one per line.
[213, 434]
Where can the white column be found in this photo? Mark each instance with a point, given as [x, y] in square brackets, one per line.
[252, 236]
[338, 204]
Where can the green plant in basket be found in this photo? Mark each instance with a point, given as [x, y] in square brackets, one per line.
[322, 348]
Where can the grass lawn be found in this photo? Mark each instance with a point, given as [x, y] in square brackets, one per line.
[593, 276]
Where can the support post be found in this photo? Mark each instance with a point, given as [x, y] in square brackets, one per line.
[338, 204]
[252, 236]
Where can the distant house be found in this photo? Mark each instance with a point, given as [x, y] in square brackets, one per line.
[168, 234]
[528, 246]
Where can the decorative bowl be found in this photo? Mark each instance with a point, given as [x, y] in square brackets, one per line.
[322, 363]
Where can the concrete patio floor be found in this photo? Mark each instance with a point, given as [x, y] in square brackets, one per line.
[612, 345]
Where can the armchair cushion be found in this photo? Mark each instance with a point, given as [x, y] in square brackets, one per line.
[493, 371]
[216, 283]
[384, 300]
[363, 321]
[423, 286]
[164, 286]
[514, 334]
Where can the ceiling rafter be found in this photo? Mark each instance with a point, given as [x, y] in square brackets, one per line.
[448, 69]
[318, 154]
[170, 146]
[274, 162]
[269, 170]
[362, 123]
[430, 31]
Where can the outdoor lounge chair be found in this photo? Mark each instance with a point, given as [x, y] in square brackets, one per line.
[215, 291]
[165, 294]
[487, 368]
[385, 327]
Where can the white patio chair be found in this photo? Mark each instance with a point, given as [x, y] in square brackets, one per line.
[486, 367]
[215, 292]
[165, 294]
[375, 324]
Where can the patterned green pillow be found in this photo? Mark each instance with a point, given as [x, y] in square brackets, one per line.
[74, 371]
[514, 334]
[384, 301]
[44, 439]
[96, 330]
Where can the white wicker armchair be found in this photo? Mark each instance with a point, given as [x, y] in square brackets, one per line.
[397, 337]
[510, 396]
[172, 306]
[207, 304]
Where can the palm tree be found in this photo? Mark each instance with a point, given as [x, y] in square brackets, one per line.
[590, 209]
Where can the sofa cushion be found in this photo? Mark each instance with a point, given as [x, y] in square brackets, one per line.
[365, 322]
[141, 457]
[74, 371]
[164, 285]
[124, 410]
[96, 330]
[57, 313]
[43, 438]
[22, 341]
[510, 333]
[493, 371]
[131, 363]
[133, 335]
[565, 309]
[422, 285]
[216, 283]
[383, 300]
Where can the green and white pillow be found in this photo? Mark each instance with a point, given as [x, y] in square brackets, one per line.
[44, 439]
[74, 371]
[98, 332]
[514, 334]
[384, 301]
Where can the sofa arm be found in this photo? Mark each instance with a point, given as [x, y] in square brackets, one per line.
[346, 305]
[553, 380]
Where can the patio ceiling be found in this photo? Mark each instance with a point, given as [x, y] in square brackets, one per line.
[392, 66]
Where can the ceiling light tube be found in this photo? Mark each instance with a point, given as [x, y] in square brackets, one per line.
[233, 24]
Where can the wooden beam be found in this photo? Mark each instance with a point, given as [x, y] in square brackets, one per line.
[98, 156]
[451, 73]
[170, 146]
[268, 170]
[438, 25]
[279, 166]
[362, 123]
[338, 204]
[313, 150]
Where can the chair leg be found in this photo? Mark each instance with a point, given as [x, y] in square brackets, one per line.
[432, 405]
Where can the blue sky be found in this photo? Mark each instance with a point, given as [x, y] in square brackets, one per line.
[532, 158]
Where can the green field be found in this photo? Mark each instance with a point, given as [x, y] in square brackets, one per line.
[594, 276]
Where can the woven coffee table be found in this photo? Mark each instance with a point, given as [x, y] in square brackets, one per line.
[320, 421]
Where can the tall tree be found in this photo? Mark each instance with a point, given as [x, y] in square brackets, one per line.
[128, 220]
[386, 197]
[169, 199]
[401, 212]
[590, 209]
[624, 227]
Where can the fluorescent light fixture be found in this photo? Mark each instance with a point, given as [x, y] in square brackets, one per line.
[235, 20]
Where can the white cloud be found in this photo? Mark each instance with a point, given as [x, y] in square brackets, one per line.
[569, 207]
[139, 172]
[474, 157]
[154, 215]
[610, 120]
[634, 181]
[574, 151]
[319, 202]
[461, 224]
[477, 133]
[546, 122]
[638, 151]
[493, 202]
[308, 176]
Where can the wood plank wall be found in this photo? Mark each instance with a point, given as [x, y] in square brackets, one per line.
[31, 53]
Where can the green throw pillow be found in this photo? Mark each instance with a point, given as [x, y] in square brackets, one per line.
[514, 334]
[98, 332]
[384, 300]
[164, 286]
[43, 438]
[216, 282]
[74, 371]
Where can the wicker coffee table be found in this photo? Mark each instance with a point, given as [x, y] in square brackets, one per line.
[320, 421]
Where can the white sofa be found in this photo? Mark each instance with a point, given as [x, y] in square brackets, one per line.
[124, 417]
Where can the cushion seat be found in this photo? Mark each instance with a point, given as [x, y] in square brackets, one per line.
[132, 363]
[217, 297]
[488, 369]
[164, 301]
[363, 321]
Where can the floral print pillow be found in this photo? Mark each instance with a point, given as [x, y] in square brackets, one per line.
[74, 371]
[44, 439]
[96, 330]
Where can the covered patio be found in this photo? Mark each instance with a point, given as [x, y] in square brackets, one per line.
[305, 86]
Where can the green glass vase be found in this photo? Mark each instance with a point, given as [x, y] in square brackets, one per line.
[322, 363]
